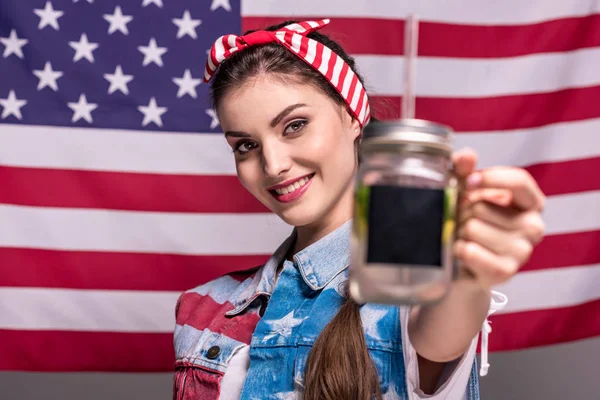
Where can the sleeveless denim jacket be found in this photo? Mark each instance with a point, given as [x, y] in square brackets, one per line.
[281, 323]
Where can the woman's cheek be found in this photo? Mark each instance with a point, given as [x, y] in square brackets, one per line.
[246, 177]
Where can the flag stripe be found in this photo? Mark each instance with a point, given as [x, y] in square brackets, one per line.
[196, 193]
[465, 12]
[117, 271]
[102, 150]
[87, 310]
[147, 232]
[126, 191]
[561, 216]
[176, 272]
[450, 39]
[567, 177]
[516, 331]
[557, 251]
[555, 287]
[103, 351]
[153, 311]
[531, 146]
[61, 351]
[202, 234]
[114, 150]
[471, 78]
[499, 113]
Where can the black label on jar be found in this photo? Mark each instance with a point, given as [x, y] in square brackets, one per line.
[405, 225]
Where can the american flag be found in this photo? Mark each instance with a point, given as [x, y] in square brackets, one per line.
[118, 192]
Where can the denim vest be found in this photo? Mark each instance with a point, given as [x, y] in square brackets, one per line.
[281, 324]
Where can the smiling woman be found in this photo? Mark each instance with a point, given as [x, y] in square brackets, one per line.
[293, 108]
[292, 131]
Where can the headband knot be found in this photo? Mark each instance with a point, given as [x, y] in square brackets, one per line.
[320, 57]
[258, 38]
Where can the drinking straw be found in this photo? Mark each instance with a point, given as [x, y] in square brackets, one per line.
[411, 40]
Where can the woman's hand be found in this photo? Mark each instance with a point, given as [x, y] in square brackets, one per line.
[499, 220]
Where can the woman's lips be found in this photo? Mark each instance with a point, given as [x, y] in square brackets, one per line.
[302, 183]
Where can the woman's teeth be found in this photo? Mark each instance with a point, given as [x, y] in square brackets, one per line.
[294, 186]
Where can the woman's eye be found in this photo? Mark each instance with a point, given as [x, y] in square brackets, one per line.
[295, 126]
[244, 147]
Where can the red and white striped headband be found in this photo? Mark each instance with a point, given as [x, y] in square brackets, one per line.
[315, 54]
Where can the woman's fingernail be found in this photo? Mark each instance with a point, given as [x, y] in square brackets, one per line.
[474, 180]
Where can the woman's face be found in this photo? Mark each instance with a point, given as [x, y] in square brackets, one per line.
[294, 149]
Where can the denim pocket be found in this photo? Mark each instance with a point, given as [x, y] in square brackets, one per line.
[381, 359]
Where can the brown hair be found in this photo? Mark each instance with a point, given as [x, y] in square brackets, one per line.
[339, 366]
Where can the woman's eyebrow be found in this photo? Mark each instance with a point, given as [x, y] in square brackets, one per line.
[274, 122]
[285, 112]
[237, 134]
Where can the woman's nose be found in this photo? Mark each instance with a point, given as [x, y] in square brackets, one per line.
[276, 159]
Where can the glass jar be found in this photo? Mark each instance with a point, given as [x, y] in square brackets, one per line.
[404, 214]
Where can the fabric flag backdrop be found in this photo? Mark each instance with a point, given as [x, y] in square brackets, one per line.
[117, 190]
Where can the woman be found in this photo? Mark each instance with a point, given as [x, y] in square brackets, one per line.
[293, 108]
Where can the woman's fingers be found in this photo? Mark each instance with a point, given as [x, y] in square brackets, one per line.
[464, 161]
[503, 243]
[488, 268]
[526, 193]
[528, 224]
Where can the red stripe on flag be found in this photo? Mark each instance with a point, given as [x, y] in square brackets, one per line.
[516, 331]
[454, 40]
[171, 272]
[126, 191]
[65, 351]
[568, 176]
[499, 113]
[116, 271]
[136, 191]
[573, 249]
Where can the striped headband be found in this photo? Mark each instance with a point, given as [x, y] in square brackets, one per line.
[315, 54]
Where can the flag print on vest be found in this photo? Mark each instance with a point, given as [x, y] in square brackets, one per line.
[220, 317]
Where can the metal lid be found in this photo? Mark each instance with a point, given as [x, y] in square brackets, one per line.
[412, 132]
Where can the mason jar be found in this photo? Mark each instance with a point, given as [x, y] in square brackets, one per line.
[404, 214]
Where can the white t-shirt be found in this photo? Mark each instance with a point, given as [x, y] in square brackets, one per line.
[453, 383]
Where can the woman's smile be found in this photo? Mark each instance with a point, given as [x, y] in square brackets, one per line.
[292, 189]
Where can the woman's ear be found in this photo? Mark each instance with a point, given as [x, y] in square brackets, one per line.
[355, 128]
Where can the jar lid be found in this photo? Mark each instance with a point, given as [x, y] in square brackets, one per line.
[414, 132]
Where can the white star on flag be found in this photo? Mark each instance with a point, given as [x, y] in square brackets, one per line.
[157, 2]
[118, 21]
[48, 16]
[215, 120]
[118, 81]
[82, 109]
[220, 3]
[152, 113]
[12, 105]
[83, 49]
[13, 45]
[187, 25]
[152, 53]
[283, 327]
[47, 77]
[187, 84]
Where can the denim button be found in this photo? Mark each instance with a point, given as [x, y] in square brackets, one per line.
[213, 352]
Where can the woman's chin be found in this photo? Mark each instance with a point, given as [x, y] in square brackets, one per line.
[297, 217]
